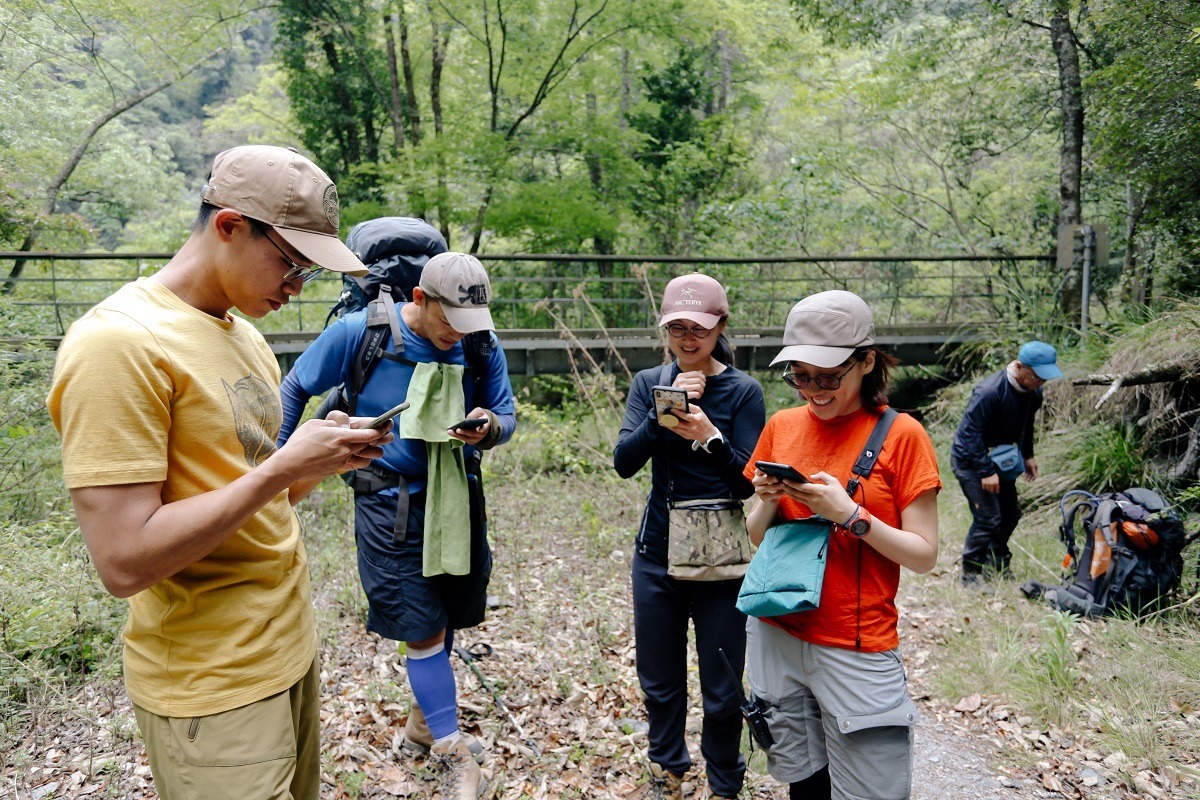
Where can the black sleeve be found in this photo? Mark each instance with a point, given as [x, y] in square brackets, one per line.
[973, 452]
[639, 430]
[749, 417]
[1035, 403]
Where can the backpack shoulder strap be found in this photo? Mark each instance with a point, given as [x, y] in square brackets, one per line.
[381, 320]
[870, 454]
[664, 374]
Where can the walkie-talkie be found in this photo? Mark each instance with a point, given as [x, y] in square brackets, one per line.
[752, 709]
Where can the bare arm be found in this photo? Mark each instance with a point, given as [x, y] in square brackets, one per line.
[767, 492]
[915, 543]
[137, 541]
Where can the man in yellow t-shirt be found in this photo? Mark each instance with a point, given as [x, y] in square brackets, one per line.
[168, 409]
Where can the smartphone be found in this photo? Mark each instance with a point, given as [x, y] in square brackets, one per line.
[667, 399]
[781, 471]
[470, 424]
[379, 421]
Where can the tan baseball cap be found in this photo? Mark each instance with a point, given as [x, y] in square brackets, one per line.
[824, 329]
[696, 298]
[460, 285]
[282, 188]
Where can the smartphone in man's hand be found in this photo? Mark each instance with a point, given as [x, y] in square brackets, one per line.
[382, 419]
[470, 424]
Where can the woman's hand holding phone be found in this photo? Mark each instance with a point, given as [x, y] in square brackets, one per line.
[691, 382]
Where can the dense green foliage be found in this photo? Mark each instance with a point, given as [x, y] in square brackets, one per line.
[611, 126]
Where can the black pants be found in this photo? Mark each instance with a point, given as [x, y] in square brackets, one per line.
[994, 517]
[662, 607]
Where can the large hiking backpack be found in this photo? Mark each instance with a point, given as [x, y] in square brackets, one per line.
[1131, 560]
[394, 250]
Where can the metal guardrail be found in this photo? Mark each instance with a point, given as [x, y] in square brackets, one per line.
[533, 291]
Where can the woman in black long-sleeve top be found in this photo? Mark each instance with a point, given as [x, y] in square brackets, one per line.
[702, 457]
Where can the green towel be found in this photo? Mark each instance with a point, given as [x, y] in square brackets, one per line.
[435, 396]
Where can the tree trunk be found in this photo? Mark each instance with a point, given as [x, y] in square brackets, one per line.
[1071, 170]
[626, 89]
[64, 173]
[1134, 280]
[390, 22]
[600, 244]
[440, 43]
[347, 135]
[412, 107]
[725, 90]
[477, 236]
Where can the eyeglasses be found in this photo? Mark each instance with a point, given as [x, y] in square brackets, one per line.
[297, 271]
[678, 331]
[826, 381]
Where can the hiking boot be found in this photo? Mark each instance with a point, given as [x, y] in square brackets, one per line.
[663, 785]
[461, 777]
[418, 738]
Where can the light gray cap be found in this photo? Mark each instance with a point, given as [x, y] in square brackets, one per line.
[826, 328]
[460, 285]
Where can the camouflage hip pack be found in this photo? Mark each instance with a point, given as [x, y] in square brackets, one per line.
[707, 540]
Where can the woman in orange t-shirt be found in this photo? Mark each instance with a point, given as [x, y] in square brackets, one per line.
[835, 689]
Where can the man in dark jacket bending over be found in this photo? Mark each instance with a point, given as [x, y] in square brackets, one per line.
[1000, 412]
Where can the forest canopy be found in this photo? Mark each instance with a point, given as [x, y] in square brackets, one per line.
[611, 126]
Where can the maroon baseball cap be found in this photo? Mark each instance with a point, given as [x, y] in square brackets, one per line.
[694, 297]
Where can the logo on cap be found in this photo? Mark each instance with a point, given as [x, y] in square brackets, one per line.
[330, 201]
[476, 294]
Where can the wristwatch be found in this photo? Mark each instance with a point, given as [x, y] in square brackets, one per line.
[859, 524]
[716, 437]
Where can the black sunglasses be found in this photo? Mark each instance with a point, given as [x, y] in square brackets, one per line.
[827, 382]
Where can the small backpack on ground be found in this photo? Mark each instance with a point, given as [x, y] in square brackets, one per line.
[1131, 560]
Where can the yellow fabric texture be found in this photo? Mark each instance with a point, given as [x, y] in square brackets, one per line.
[149, 389]
[436, 400]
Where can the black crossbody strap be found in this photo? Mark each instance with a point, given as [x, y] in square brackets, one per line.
[870, 454]
[664, 379]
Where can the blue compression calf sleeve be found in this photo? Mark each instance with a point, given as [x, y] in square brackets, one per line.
[432, 681]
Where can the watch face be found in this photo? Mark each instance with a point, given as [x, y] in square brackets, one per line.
[860, 527]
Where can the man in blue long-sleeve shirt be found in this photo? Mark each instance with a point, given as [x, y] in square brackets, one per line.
[1000, 412]
[412, 507]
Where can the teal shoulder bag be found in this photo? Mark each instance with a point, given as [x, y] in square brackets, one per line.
[1010, 464]
[787, 570]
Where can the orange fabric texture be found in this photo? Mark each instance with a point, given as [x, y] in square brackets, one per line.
[907, 467]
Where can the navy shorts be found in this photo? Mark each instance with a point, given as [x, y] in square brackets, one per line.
[403, 604]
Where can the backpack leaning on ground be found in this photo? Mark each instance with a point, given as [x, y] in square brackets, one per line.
[1131, 560]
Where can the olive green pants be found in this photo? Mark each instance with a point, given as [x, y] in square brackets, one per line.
[268, 750]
